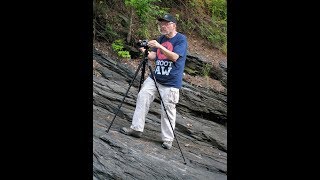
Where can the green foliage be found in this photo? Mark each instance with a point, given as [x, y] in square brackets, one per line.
[206, 69]
[215, 33]
[124, 54]
[213, 29]
[190, 71]
[99, 8]
[188, 26]
[110, 33]
[219, 19]
[146, 11]
[218, 33]
[207, 18]
[219, 9]
[102, 25]
[118, 47]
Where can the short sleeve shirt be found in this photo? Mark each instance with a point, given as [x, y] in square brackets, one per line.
[167, 72]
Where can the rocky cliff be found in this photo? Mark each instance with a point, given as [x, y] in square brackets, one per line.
[200, 129]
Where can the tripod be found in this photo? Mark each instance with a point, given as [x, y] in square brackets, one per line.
[143, 64]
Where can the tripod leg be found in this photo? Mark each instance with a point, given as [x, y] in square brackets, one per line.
[154, 79]
[135, 75]
[142, 73]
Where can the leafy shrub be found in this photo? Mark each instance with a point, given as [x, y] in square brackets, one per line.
[118, 47]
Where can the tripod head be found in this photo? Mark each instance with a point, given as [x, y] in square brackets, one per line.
[144, 44]
[146, 52]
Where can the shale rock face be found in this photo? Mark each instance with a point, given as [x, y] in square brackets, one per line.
[200, 130]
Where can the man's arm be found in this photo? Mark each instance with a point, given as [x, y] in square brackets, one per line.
[170, 55]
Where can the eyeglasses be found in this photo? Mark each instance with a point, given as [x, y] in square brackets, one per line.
[164, 23]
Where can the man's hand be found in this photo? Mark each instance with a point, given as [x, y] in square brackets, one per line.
[142, 49]
[154, 44]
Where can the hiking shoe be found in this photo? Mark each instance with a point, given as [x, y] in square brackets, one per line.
[167, 144]
[131, 132]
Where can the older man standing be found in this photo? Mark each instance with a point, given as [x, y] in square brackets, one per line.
[169, 52]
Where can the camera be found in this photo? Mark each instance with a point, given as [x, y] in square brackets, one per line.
[143, 43]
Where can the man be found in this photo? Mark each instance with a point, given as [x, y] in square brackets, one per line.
[169, 52]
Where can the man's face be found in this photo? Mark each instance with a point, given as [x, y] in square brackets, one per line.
[166, 27]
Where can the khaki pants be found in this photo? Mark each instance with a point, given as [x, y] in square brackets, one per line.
[170, 97]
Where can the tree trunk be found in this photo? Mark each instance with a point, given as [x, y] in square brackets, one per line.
[130, 25]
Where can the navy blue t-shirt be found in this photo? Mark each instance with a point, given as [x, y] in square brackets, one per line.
[167, 72]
